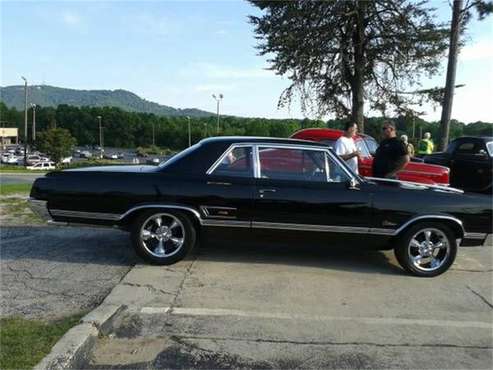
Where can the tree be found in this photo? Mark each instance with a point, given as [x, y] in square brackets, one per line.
[57, 143]
[340, 53]
[460, 17]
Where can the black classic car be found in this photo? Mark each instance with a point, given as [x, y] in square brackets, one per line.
[470, 160]
[267, 190]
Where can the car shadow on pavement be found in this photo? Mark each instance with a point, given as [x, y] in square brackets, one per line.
[112, 247]
[67, 244]
[336, 257]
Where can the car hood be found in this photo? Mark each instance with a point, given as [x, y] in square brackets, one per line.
[134, 168]
[413, 185]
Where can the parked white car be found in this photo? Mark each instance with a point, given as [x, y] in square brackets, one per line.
[67, 160]
[35, 158]
[11, 159]
[43, 166]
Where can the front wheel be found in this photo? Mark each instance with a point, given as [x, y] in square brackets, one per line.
[163, 238]
[427, 249]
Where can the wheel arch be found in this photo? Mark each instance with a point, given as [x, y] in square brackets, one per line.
[454, 223]
[130, 215]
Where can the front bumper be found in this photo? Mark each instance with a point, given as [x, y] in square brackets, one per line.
[476, 240]
[40, 207]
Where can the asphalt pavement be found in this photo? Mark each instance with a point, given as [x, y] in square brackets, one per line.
[277, 307]
[252, 306]
[19, 178]
[49, 272]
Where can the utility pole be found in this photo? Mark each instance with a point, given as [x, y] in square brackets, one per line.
[25, 120]
[100, 138]
[33, 106]
[218, 99]
[451, 68]
[189, 133]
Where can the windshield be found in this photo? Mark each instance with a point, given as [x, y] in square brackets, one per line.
[372, 144]
[489, 146]
[360, 145]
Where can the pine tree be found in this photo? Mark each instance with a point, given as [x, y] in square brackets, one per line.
[343, 54]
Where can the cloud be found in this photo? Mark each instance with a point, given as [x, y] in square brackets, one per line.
[71, 19]
[152, 25]
[478, 51]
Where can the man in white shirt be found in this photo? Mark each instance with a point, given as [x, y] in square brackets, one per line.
[346, 148]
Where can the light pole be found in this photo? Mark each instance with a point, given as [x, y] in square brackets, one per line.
[153, 134]
[33, 106]
[217, 99]
[25, 120]
[189, 132]
[100, 138]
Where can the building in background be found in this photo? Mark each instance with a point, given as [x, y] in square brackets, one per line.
[8, 136]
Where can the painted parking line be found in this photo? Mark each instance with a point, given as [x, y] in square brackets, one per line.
[286, 316]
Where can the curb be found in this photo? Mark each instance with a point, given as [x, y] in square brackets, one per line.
[72, 349]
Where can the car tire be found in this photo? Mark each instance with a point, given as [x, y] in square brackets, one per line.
[426, 249]
[163, 237]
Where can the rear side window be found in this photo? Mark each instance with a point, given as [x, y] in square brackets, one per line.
[236, 163]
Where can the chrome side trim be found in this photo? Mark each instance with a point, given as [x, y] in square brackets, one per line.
[225, 223]
[116, 216]
[77, 224]
[88, 215]
[40, 208]
[475, 235]
[165, 206]
[322, 228]
[431, 217]
[446, 189]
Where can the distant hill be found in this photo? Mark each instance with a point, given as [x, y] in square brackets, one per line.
[51, 96]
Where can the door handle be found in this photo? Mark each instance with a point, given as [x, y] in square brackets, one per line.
[263, 191]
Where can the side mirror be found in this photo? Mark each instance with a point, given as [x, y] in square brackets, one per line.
[353, 184]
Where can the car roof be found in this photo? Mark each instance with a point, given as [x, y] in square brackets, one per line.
[484, 138]
[322, 133]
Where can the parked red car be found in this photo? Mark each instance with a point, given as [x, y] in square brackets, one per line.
[414, 171]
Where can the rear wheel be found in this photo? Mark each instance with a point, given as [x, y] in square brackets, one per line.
[163, 238]
[427, 249]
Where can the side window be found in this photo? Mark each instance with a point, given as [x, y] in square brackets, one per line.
[299, 165]
[237, 163]
[329, 143]
[467, 148]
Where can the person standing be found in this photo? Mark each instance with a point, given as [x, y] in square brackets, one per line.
[391, 156]
[425, 145]
[409, 146]
[346, 148]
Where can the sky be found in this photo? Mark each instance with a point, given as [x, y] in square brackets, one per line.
[178, 53]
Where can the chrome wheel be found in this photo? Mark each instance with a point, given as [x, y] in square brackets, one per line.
[429, 249]
[162, 235]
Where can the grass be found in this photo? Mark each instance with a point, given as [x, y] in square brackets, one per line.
[9, 189]
[14, 209]
[17, 169]
[26, 342]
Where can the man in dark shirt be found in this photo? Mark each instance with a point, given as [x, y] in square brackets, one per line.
[391, 155]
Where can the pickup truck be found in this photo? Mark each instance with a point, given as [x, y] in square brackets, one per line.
[470, 162]
[420, 172]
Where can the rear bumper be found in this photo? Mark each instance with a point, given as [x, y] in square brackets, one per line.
[475, 240]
